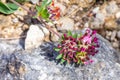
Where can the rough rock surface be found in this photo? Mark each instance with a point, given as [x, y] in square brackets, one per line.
[40, 63]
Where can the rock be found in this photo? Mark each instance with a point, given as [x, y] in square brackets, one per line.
[40, 64]
[110, 23]
[115, 44]
[117, 15]
[113, 35]
[54, 37]
[96, 10]
[112, 7]
[15, 20]
[5, 21]
[86, 25]
[46, 33]
[118, 34]
[34, 1]
[67, 24]
[108, 33]
[34, 38]
[97, 21]
[100, 17]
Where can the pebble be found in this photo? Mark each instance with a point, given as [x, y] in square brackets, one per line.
[113, 35]
[86, 25]
[5, 21]
[96, 10]
[54, 37]
[110, 23]
[34, 1]
[67, 24]
[108, 33]
[115, 44]
[112, 7]
[98, 20]
[117, 15]
[118, 35]
[100, 17]
[15, 20]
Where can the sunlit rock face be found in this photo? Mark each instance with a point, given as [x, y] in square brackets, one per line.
[40, 63]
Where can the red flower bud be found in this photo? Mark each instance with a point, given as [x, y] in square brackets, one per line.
[59, 46]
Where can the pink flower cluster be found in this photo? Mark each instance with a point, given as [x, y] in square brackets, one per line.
[78, 48]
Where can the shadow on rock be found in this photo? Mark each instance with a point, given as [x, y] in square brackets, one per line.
[11, 68]
[50, 54]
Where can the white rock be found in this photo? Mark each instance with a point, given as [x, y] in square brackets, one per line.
[118, 34]
[86, 25]
[96, 10]
[112, 7]
[113, 35]
[67, 24]
[100, 17]
[115, 44]
[46, 33]
[117, 15]
[108, 33]
[15, 20]
[34, 1]
[98, 20]
[34, 38]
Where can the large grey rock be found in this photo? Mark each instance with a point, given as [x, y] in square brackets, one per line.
[40, 64]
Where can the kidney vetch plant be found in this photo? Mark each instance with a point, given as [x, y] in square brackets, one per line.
[74, 48]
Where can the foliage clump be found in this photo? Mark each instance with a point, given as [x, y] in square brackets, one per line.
[74, 48]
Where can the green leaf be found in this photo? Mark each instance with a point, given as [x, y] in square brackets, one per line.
[62, 61]
[75, 35]
[45, 3]
[79, 61]
[44, 14]
[12, 6]
[39, 9]
[7, 8]
[21, 1]
[57, 49]
[79, 35]
[63, 37]
[69, 33]
[59, 56]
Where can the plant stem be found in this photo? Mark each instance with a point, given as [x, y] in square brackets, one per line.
[39, 19]
[48, 27]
